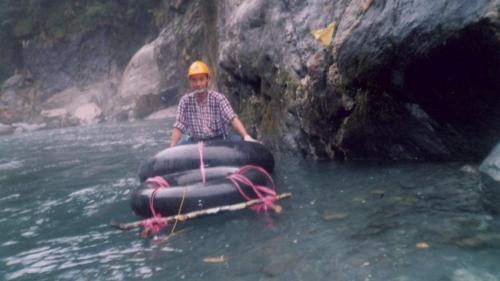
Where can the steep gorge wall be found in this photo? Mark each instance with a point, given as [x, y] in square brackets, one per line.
[400, 79]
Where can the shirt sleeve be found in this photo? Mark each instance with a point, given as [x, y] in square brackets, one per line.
[227, 111]
[180, 119]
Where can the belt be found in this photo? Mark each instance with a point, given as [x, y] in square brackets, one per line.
[221, 137]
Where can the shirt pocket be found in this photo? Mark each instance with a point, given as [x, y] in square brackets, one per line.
[215, 124]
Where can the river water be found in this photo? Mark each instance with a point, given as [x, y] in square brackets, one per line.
[59, 189]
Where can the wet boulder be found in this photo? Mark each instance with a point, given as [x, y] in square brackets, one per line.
[79, 105]
[490, 175]
[491, 165]
[467, 274]
[13, 81]
[140, 79]
[5, 129]
[12, 99]
[169, 112]
[27, 127]
[88, 113]
[17, 99]
[56, 118]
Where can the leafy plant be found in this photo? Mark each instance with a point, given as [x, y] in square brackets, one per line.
[23, 27]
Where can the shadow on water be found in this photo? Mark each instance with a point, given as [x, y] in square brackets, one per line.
[351, 221]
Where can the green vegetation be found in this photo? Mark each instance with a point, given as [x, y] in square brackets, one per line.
[267, 106]
[23, 27]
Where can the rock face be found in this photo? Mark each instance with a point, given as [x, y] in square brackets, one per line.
[16, 98]
[78, 59]
[190, 34]
[399, 80]
[412, 81]
[425, 71]
[9, 55]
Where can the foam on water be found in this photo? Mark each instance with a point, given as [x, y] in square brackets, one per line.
[11, 165]
[9, 197]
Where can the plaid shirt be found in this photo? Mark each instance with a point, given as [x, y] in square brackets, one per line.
[204, 121]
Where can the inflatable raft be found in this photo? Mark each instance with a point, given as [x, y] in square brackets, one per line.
[200, 176]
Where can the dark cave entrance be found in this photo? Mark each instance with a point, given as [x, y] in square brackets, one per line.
[458, 85]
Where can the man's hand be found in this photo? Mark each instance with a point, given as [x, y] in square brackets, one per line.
[176, 136]
[249, 138]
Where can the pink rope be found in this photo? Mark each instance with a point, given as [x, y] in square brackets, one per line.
[202, 163]
[264, 193]
[158, 181]
[155, 223]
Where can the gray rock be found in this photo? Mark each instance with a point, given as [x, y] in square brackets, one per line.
[11, 99]
[471, 275]
[99, 93]
[69, 99]
[55, 113]
[490, 175]
[169, 112]
[142, 76]
[411, 29]
[13, 81]
[9, 55]
[88, 113]
[5, 129]
[22, 127]
[56, 118]
[19, 130]
[491, 165]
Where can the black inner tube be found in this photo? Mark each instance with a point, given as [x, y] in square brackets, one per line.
[215, 154]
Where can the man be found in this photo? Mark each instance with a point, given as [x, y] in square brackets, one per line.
[204, 114]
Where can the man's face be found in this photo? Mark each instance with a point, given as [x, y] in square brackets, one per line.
[199, 81]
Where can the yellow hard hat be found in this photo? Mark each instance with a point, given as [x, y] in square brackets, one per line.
[198, 67]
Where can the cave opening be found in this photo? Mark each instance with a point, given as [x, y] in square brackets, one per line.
[458, 85]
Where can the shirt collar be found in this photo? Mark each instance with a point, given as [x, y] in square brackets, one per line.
[192, 95]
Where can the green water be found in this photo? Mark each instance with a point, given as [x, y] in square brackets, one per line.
[59, 189]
